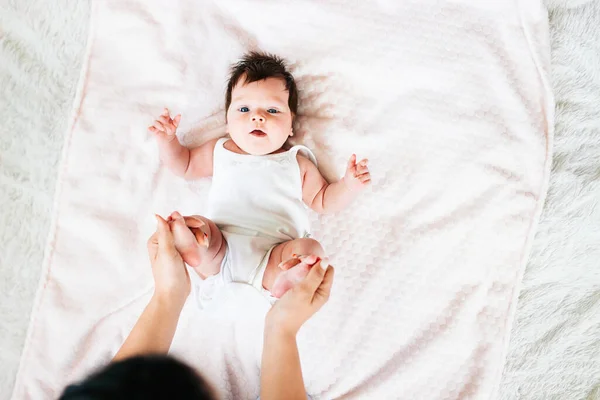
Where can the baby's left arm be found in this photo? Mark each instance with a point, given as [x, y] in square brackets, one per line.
[327, 198]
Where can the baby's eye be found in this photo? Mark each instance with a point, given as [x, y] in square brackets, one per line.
[244, 109]
[272, 111]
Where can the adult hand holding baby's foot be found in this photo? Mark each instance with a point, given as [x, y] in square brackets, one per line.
[299, 303]
[189, 233]
[357, 175]
[295, 270]
[165, 127]
[171, 279]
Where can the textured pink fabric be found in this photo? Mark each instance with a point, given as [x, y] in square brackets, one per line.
[448, 99]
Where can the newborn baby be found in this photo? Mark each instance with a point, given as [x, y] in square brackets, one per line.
[257, 222]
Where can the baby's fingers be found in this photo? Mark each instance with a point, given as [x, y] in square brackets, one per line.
[159, 126]
[361, 169]
[352, 161]
[168, 124]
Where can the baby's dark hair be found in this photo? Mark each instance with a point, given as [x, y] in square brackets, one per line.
[142, 377]
[256, 66]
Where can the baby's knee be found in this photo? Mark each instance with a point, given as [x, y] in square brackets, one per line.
[308, 246]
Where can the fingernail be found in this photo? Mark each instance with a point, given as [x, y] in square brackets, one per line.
[325, 263]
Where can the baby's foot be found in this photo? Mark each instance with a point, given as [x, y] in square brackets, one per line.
[293, 273]
[186, 239]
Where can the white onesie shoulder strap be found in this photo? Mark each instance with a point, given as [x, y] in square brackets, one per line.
[305, 151]
[219, 149]
[220, 142]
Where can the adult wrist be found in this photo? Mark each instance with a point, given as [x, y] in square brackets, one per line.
[273, 328]
[168, 302]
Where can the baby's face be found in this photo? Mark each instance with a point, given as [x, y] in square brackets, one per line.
[259, 119]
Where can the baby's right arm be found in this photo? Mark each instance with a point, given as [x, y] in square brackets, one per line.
[189, 164]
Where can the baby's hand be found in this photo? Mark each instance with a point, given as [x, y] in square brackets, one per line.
[357, 176]
[165, 127]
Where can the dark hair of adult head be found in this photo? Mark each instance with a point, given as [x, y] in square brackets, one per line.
[256, 66]
[142, 377]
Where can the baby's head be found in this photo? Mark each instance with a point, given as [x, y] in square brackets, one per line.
[261, 102]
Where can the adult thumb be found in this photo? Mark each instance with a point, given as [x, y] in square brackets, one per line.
[165, 236]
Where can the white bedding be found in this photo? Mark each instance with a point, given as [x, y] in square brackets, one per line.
[449, 101]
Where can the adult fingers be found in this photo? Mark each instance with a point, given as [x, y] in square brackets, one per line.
[308, 260]
[315, 277]
[152, 245]
[287, 264]
[324, 290]
[166, 241]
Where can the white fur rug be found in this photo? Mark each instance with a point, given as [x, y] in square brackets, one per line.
[555, 345]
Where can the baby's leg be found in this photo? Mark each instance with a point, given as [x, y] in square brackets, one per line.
[284, 252]
[200, 243]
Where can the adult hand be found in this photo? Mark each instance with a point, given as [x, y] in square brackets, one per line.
[171, 278]
[298, 304]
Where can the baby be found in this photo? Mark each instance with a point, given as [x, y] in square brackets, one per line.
[256, 223]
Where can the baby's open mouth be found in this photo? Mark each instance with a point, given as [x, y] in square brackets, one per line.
[258, 133]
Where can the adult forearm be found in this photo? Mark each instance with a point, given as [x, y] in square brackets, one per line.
[281, 373]
[154, 330]
[175, 156]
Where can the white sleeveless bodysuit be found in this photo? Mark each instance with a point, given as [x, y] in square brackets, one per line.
[256, 201]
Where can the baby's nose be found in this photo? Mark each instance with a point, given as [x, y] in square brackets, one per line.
[258, 118]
